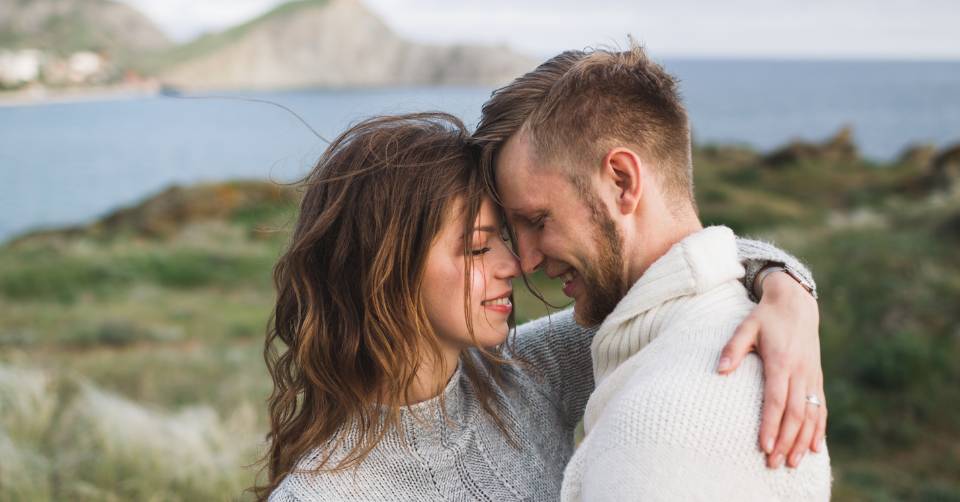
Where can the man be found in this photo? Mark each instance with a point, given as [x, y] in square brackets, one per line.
[591, 156]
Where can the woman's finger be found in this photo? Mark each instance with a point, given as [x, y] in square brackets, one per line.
[793, 418]
[740, 344]
[775, 389]
[807, 431]
[817, 442]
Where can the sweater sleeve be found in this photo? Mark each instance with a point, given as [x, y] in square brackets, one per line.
[755, 254]
[558, 352]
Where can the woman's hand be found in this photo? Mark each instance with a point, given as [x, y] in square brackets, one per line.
[784, 330]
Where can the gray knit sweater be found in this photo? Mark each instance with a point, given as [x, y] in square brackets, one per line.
[469, 459]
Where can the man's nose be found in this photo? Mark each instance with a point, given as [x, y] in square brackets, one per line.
[530, 256]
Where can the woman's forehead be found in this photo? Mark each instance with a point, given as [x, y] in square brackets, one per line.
[488, 213]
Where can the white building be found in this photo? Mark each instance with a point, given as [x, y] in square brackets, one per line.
[84, 66]
[19, 66]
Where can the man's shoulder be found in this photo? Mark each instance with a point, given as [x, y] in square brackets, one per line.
[675, 376]
[715, 313]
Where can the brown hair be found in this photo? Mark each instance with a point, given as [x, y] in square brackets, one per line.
[579, 104]
[348, 308]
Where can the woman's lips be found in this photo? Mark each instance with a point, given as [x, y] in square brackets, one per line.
[500, 304]
[504, 309]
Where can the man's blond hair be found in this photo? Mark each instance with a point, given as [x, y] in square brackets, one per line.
[578, 105]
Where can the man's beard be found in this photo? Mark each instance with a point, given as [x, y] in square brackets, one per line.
[602, 276]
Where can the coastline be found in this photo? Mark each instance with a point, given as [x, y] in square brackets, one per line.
[39, 95]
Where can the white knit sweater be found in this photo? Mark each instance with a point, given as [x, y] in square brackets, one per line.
[662, 424]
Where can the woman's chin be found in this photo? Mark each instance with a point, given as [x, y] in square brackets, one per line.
[491, 337]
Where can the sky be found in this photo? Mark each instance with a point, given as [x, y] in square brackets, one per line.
[779, 29]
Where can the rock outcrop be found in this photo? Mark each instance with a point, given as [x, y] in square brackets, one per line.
[946, 164]
[917, 157]
[930, 170]
[335, 43]
[839, 148]
[166, 213]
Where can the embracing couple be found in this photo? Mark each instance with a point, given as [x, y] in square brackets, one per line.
[398, 376]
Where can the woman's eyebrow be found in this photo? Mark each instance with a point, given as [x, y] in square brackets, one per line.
[485, 228]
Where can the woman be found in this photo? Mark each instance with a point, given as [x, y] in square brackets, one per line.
[397, 381]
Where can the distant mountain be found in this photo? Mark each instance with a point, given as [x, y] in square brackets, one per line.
[66, 26]
[335, 43]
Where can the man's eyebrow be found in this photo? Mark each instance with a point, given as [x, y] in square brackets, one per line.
[526, 214]
[516, 211]
[521, 208]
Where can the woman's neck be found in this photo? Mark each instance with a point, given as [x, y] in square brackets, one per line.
[433, 375]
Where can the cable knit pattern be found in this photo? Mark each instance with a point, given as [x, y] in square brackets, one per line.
[662, 424]
[543, 401]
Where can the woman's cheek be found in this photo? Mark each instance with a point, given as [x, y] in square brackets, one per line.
[478, 284]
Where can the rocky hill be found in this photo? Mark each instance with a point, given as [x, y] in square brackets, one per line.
[66, 26]
[334, 43]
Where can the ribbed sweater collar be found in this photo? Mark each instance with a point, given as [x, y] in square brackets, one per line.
[423, 422]
[696, 264]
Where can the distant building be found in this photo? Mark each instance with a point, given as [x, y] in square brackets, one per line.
[19, 66]
[85, 66]
[32, 66]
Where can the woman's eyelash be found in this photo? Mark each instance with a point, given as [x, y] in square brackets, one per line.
[478, 252]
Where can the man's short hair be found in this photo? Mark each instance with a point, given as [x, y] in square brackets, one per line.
[579, 104]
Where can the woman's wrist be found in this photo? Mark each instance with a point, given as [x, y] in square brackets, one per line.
[773, 279]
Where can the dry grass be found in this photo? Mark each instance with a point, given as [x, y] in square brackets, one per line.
[64, 438]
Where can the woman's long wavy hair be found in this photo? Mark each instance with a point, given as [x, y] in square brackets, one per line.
[353, 328]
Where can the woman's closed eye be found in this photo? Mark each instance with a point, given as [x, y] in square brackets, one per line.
[478, 252]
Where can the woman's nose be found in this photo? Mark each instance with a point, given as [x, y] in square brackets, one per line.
[508, 266]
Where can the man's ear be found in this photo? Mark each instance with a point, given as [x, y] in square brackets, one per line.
[624, 167]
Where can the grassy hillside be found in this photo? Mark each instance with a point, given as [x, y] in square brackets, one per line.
[130, 362]
[66, 26]
[212, 42]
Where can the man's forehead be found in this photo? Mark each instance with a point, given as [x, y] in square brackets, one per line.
[520, 194]
[514, 158]
[517, 176]
[522, 203]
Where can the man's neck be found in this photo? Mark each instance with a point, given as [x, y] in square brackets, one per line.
[654, 237]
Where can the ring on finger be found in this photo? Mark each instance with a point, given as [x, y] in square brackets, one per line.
[814, 400]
